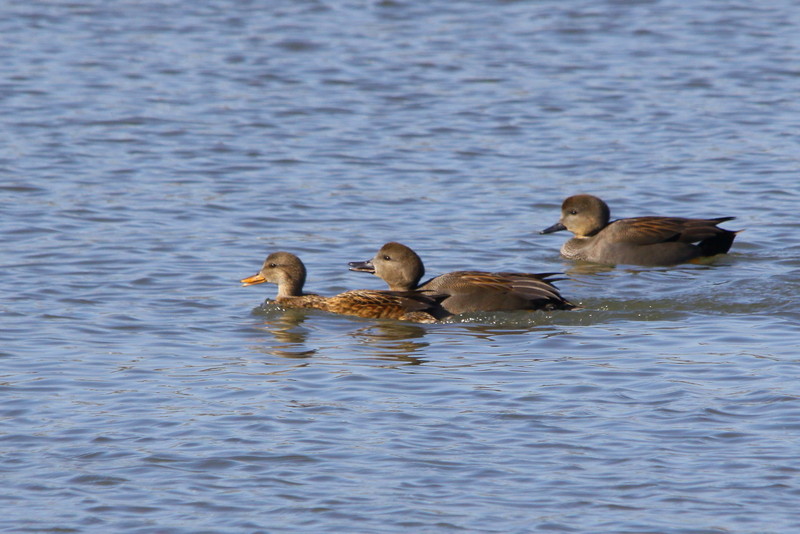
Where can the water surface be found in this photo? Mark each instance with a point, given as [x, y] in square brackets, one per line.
[153, 153]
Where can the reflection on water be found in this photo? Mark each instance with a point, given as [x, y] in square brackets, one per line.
[587, 269]
[284, 325]
[388, 338]
[394, 340]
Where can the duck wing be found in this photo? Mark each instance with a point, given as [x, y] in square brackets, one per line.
[486, 291]
[653, 230]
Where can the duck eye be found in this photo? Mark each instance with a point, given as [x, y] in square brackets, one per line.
[573, 212]
[273, 265]
[387, 257]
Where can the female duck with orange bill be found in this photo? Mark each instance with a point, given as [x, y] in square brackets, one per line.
[289, 273]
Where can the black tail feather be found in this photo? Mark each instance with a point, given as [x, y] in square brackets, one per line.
[718, 244]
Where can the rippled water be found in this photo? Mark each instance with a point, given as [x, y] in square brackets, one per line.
[153, 153]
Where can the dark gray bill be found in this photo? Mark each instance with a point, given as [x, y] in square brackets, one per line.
[362, 266]
[557, 227]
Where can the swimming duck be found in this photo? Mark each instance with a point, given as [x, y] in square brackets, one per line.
[467, 291]
[288, 272]
[648, 241]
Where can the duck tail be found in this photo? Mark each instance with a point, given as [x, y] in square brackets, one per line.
[718, 244]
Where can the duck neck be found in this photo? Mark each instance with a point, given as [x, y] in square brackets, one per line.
[290, 287]
[403, 287]
[407, 281]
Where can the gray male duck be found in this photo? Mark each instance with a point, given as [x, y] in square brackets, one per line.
[648, 241]
[466, 291]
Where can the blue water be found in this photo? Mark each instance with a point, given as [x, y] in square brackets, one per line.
[153, 153]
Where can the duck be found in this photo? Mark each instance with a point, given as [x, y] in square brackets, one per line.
[467, 291]
[289, 273]
[648, 241]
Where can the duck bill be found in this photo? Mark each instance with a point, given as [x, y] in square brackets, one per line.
[557, 227]
[362, 266]
[253, 280]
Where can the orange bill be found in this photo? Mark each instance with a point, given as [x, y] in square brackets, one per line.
[253, 280]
